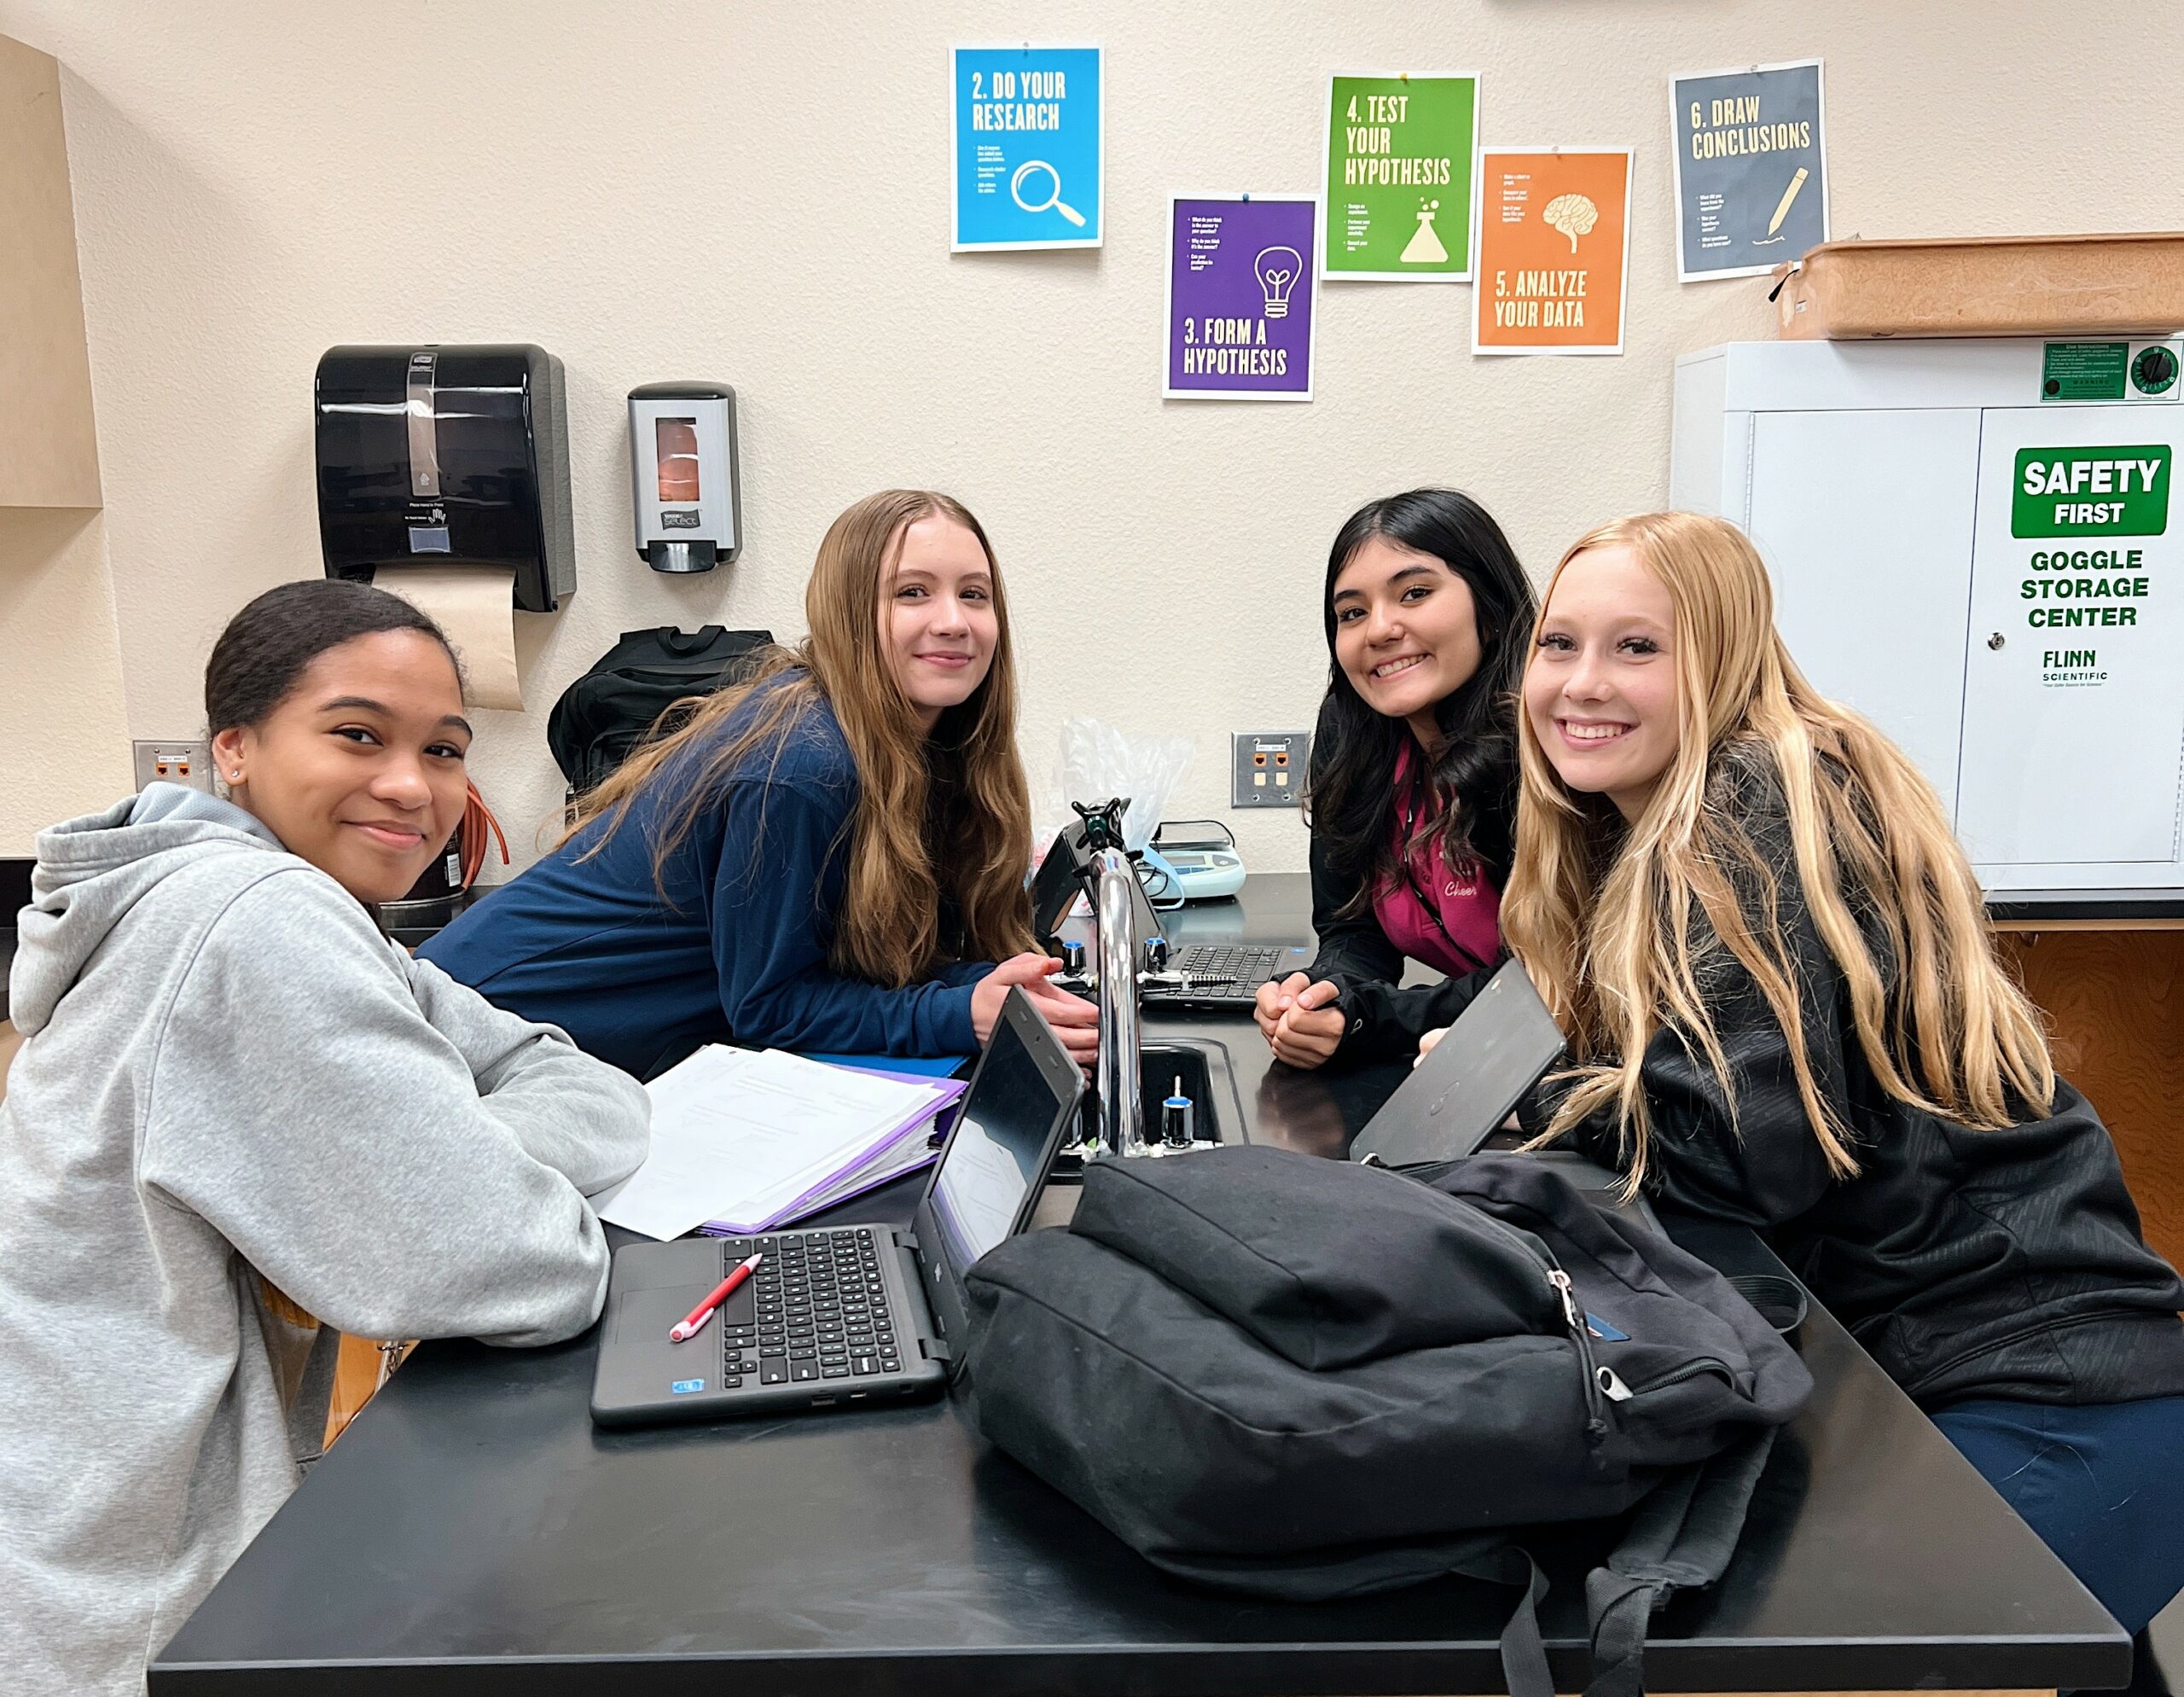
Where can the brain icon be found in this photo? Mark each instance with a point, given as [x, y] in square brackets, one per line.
[1573, 215]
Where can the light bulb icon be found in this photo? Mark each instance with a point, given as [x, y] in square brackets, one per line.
[1277, 270]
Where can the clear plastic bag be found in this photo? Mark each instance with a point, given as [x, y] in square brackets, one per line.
[1097, 762]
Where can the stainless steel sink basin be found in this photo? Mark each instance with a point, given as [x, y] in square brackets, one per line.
[1203, 1068]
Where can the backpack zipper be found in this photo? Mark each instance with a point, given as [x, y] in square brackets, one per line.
[1690, 1369]
[1595, 1406]
[1596, 1421]
[1602, 1384]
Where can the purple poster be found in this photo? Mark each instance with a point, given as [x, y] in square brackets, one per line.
[1240, 279]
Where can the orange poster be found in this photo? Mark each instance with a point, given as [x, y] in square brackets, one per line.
[1554, 250]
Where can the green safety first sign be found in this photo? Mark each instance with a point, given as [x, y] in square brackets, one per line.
[2091, 492]
[2112, 496]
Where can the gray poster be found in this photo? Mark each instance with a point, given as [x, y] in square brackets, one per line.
[1750, 170]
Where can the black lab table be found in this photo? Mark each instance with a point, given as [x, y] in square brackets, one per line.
[472, 1534]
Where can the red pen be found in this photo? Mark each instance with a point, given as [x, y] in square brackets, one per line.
[694, 1321]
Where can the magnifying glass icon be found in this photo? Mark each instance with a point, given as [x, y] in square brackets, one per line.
[1054, 196]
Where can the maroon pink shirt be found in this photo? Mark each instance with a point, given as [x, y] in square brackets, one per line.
[1468, 905]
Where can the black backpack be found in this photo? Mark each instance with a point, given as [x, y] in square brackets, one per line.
[615, 706]
[1302, 1379]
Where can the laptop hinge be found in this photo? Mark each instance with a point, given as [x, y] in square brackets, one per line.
[907, 1238]
[936, 1350]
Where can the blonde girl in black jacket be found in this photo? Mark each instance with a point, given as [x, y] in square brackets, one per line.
[1747, 910]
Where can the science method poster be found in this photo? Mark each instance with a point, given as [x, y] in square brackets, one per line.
[1751, 169]
[1240, 282]
[1554, 250]
[1399, 175]
[1028, 146]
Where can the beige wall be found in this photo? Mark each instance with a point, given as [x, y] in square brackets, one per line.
[758, 193]
[61, 718]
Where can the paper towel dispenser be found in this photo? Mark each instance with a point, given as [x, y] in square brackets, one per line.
[446, 455]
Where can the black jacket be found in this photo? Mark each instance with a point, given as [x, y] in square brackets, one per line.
[1969, 1264]
[1385, 1017]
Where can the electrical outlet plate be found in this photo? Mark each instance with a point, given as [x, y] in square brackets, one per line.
[1267, 768]
[188, 763]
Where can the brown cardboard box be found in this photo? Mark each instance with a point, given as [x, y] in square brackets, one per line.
[1985, 286]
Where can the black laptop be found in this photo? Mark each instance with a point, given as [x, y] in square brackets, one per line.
[1461, 1092]
[1463, 1089]
[842, 1315]
[1224, 975]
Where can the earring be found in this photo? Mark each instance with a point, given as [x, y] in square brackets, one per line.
[234, 777]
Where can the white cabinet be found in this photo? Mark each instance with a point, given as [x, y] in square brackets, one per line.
[1994, 580]
[1866, 598]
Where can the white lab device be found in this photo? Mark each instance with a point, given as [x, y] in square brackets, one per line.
[682, 476]
[1199, 859]
[1972, 544]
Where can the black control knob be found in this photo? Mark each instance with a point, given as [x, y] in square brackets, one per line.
[1072, 958]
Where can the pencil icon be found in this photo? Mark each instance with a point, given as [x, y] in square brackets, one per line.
[1789, 195]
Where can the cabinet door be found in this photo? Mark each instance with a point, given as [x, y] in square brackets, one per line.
[1865, 519]
[2073, 695]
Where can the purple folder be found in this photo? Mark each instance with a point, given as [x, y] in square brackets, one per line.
[927, 1121]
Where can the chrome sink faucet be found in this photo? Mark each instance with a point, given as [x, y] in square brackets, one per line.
[1122, 1101]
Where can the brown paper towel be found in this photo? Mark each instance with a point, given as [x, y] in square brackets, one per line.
[475, 606]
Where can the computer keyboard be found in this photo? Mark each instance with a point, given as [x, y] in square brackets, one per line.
[1242, 968]
[820, 1311]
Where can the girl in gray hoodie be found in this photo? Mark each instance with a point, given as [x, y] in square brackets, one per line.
[235, 1089]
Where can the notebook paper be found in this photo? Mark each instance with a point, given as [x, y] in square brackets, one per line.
[748, 1138]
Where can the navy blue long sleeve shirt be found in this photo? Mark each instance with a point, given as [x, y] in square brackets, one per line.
[738, 947]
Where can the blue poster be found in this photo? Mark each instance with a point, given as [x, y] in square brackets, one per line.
[1028, 146]
[1751, 169]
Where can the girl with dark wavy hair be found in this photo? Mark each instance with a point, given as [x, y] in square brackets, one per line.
[827, 856]
[1412, 790]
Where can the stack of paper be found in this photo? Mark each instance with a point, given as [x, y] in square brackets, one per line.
[743, 1140]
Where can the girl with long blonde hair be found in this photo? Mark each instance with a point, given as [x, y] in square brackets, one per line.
[828, 856]
[1747, 909]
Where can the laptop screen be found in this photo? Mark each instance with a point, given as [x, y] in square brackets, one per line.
[994, 1156]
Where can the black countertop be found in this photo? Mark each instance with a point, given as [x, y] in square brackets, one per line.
[473, 1533]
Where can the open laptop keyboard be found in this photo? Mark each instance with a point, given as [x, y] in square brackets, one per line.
[821, 1310]
[1214, 968]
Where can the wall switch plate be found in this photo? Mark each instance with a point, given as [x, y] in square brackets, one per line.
[1267, 768]
[187, 764]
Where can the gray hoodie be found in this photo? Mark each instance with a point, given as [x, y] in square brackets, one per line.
[232, 1079]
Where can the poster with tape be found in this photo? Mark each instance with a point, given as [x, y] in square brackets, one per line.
[1554, 250]
[1751, 169]
[1028, 146]
[1398, 155]
[1240, 280]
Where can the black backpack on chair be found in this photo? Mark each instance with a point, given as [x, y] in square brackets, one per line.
[1304, 1379]
[614, 706]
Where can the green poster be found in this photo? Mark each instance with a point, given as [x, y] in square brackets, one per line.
[1399, 177]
